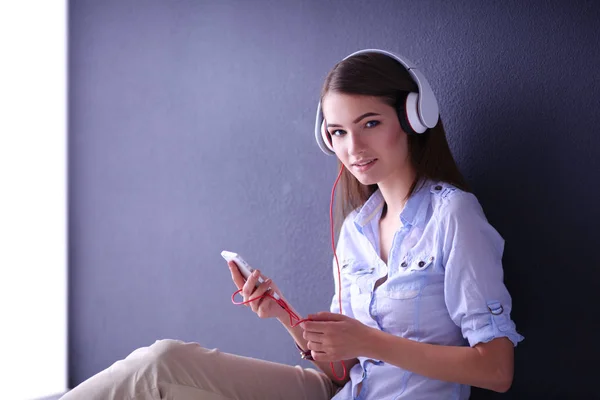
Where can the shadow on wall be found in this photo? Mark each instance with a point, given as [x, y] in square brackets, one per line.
[529, 175]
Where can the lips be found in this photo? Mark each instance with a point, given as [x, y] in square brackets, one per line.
[362, 166]
[364, 162]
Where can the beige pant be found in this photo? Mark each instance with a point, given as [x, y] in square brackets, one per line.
[174, 370]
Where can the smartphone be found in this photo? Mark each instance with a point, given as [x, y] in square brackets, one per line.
[245, 268]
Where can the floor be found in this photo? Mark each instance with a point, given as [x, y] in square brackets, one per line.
[54, 397]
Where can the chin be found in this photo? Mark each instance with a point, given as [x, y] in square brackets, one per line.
[366, 180]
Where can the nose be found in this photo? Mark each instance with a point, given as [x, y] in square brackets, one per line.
[356, 143]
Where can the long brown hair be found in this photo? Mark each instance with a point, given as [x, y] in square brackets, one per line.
[376, 74]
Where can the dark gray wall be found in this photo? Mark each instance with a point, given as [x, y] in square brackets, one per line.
[191, 131]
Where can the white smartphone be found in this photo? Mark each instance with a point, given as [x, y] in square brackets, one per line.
[245, 268]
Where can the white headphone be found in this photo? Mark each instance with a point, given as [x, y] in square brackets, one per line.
[419, 113]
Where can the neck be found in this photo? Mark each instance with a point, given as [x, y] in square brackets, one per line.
[395, 191]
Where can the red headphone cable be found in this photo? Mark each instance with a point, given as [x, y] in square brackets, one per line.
[283, 304]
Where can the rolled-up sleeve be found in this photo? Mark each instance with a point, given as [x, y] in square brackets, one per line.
[475, 294]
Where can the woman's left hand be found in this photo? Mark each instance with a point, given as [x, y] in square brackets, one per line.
[335, 337]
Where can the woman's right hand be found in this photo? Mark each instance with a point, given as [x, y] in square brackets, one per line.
[265, 307]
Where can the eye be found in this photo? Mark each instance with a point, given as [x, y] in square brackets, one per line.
[337, 132]
[372, 124]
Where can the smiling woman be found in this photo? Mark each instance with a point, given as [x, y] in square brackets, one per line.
[419, 308]
[370, 135]
[377, 82]
[33, 271]
[425, 310]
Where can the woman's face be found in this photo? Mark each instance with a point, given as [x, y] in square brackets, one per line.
[366, 137]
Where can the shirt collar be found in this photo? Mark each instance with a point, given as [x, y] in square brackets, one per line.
[413, 213]
[415, 210]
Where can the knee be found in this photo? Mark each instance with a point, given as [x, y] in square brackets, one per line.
[168, 351]
[165, 347]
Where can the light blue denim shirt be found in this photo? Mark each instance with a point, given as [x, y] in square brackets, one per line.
[444, 286]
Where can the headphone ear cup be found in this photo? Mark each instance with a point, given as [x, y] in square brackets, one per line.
[411, 115]
[326, 136]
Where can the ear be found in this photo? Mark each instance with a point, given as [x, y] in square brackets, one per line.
[326, 136]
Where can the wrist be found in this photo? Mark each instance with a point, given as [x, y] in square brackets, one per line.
[372, 342]
[285, 319]
[284, 316]
[304, 354]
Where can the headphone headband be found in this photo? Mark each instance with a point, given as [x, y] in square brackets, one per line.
[425, 116]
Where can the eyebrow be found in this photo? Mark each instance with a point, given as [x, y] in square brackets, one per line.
[365, 115]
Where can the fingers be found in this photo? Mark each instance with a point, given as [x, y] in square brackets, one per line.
[315, 346]
[326, 316]
[260, 290]
[254, 293]
[317, 327]
[236, 275]
[250, 284]
[317, 351]
[253, 288]
[313, 337]
[315, 343]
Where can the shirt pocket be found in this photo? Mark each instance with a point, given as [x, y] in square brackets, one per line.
[421, 263]
[360, 275]
[412, 277]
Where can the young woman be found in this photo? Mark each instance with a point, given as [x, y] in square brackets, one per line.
[420, 309]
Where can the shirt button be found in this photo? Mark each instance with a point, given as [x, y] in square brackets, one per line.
[421, 263]
[403, 265]
[438, 187]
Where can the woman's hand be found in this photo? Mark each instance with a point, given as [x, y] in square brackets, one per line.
[335, 337]
[265, 307]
